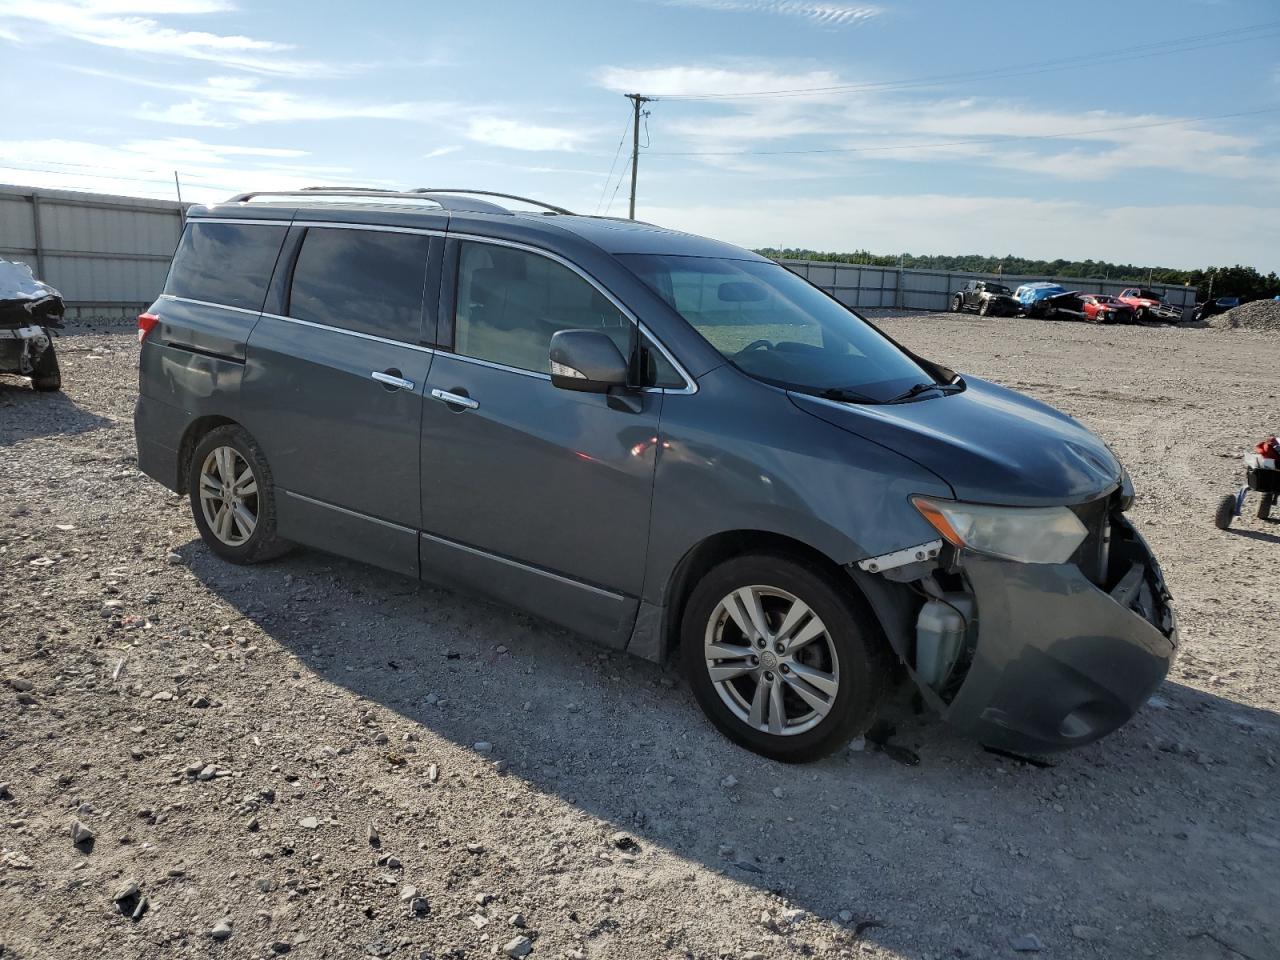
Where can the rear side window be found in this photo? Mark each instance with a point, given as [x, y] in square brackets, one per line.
[511, 302]
[368, 281]
[225, 263]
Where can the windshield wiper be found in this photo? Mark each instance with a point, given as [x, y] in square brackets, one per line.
[920, 388]
[842, 395]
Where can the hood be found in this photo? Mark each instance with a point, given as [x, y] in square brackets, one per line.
[991, 444]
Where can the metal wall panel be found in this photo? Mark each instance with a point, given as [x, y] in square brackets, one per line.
[104, 253]
[865, 286]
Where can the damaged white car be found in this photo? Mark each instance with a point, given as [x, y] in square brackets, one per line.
[29, 309]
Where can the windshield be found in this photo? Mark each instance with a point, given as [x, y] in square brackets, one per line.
[775, 326]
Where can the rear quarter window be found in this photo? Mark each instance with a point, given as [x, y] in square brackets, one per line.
[225, 263]
[367, 281]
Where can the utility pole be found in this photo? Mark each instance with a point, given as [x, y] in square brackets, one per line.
[636, 101]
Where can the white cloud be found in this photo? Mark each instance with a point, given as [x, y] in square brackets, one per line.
[209, 171]
[440, 152]
[226, 101]
[192, 113]
[827, 14]
[518, 135]
[1175, 235]
[124, 25]
[867, 125]
[699, 79]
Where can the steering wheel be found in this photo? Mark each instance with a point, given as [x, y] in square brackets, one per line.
[757, 345]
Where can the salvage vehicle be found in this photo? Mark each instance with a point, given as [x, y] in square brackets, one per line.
[1029, 294]
[29, 310]
[1098, 308]
[1067, 305]
[989, 299]
[668, 444]
[1211, 308]
[1149, 305]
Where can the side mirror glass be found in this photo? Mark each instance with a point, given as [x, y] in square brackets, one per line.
[587, 361]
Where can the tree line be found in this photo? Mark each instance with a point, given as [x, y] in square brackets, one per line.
[1238, 281]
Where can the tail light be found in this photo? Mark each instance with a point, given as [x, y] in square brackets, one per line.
[146, 323]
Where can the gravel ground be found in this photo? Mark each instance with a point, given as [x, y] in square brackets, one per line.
[317, 758]
[1257, 315]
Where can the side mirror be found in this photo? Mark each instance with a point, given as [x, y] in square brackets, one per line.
[587, 361]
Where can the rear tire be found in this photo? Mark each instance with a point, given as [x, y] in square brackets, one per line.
[1226, 512]
[1264, 506]
[233, 497]
[47, 376]
[957, 303]
[816, 629]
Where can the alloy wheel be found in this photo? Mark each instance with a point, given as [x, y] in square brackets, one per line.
[229, 496]
[771, 660]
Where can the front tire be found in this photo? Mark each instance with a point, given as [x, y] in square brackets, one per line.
[233, 497]
[1226, 512]
[984, 308]
[47, 375]
[783, 656]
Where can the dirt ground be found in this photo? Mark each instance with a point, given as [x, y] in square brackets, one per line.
[230, 736]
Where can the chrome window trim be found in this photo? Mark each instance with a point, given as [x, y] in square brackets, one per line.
[208, 303]
[350, 513]
[350, 333]
[237, 219]
[690, 387]
[331, 224]
[568, 581]
[493, 365]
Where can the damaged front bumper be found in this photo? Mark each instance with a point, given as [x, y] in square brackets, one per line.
[21, 348]
[1059, 661]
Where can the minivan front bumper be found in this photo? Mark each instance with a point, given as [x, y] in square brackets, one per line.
[1059, 661]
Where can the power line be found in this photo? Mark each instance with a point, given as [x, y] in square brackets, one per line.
[617, 153]
[167, 181]
[957, 143]
[1135, 52]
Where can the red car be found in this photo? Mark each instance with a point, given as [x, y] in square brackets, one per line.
[1149, 305]
[1099, 308]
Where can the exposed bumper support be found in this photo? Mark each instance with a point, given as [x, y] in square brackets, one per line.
[1058, 661]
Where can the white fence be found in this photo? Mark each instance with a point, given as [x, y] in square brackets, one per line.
[106, 255]
[856, 285]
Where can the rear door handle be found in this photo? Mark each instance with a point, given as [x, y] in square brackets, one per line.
[392, 378]
[455, 399]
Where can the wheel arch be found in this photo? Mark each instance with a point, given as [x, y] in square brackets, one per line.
[196, 431]
[657, 632]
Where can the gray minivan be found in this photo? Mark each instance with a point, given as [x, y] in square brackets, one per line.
[663, 442]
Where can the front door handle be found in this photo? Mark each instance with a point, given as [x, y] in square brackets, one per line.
[392, 379]
[455, 399]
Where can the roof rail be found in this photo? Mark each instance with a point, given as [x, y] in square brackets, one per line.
[446, 202]
[493, 193]
[438, 195]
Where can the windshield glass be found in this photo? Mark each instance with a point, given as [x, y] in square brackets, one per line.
[775, 326]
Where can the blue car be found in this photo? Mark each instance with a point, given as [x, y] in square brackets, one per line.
[1029, 294]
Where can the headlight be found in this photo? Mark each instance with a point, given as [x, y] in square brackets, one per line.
[1024, 534]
